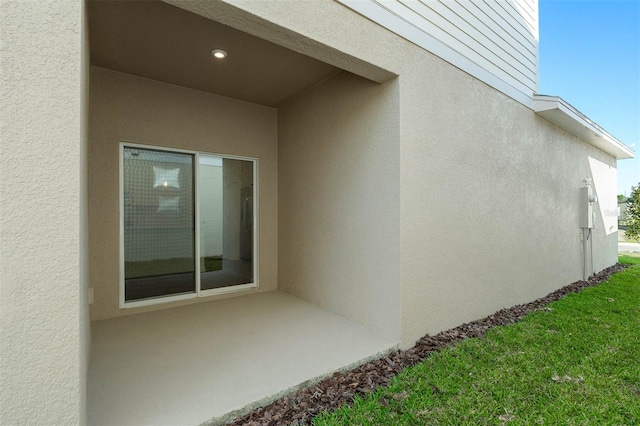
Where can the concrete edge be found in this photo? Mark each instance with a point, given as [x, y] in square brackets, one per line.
[229, 417]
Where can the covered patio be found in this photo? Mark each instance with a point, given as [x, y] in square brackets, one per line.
[192, 364]
[325, 294]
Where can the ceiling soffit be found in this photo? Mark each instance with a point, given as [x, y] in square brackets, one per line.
[155, 40]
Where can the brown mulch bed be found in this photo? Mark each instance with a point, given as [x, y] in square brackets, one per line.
[299, 408]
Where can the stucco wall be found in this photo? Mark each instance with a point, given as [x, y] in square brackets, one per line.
[85, 320]
[339, 201]
[132, 109]
[43, 322]
[491, 206]
[489, 191]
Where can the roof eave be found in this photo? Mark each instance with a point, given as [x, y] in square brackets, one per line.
[561, 113]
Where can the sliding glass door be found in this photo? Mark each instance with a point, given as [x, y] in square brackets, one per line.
[226, 221]
[159, 227]
[178, 207]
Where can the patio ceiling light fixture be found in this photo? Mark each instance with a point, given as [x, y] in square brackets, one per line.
[219, 53]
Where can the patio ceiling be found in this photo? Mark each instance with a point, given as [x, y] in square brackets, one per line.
[155, 40]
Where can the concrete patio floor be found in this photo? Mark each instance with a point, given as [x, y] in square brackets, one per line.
[187, 365]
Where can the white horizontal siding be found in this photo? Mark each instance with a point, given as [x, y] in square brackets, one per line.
[513, 14]
[481, 45]
[493, 40]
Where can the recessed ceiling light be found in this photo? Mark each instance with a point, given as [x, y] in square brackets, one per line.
[219, 53]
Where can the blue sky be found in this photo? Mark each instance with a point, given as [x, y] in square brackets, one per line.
[590, 56]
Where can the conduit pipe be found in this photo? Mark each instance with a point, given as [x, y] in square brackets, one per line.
[587, 198]
[587, 269]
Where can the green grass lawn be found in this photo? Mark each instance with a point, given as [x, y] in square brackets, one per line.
[577, 362]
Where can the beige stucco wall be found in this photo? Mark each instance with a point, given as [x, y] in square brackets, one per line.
[43, 321]
[339, 200]
[85, 319]
[490, 210]
[489, 191]
[132, 109]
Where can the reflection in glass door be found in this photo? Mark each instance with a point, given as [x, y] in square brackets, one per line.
[226, 221]
[159, 227]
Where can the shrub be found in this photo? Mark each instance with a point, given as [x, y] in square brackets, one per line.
[633, 214]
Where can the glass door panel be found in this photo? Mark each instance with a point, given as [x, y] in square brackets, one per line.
[226, 207]
[159, 226]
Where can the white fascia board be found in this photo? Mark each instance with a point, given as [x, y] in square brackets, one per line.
[379, 14]
[561, 113]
